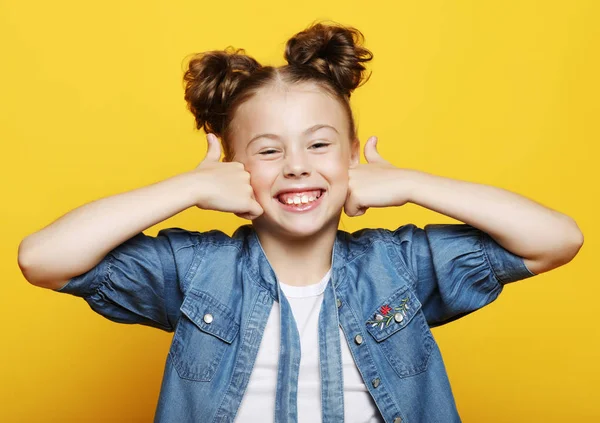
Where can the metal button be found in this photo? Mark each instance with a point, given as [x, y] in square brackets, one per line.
[208, 318]
[358, 339]
[375, 382]
[397, 420]
[339, 302]
[398, 317]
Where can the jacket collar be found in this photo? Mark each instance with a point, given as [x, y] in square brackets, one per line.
[261, 270]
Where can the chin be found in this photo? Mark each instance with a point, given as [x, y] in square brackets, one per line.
[301, 227]
[302, 231]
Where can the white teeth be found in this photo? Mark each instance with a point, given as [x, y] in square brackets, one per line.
[301, 199]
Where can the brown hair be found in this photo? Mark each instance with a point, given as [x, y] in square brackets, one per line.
[217, 82]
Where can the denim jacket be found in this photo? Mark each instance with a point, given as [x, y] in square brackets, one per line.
[387, 289]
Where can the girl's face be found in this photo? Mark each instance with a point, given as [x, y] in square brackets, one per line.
[295, 144]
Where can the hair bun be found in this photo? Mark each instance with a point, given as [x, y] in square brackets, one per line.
[211, 80]
[334, 51]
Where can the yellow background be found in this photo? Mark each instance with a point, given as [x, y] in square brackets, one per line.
[502, 93]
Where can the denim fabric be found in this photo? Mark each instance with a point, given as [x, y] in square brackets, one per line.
[215, 293]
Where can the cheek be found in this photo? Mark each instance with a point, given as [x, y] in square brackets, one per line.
[261, 179]
[339, 173]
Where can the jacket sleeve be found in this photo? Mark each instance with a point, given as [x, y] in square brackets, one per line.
[456, 268]
[139, 280]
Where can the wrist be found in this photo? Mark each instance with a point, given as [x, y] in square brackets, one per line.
[410, 179]
[195, 183]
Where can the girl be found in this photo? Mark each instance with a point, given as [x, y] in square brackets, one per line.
[291, 319]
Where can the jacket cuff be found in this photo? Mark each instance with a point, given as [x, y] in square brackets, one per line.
[507, 267]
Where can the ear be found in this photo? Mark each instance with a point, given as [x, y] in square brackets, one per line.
[355, 152]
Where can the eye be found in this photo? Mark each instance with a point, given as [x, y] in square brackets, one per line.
[320, 144]
[267, 152]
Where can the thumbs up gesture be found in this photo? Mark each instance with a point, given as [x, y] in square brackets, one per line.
[375, 184]
[225, 186]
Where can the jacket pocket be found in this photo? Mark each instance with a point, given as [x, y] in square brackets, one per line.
[400, 329]
[205, 330]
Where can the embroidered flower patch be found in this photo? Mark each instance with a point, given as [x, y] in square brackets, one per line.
[386, 314]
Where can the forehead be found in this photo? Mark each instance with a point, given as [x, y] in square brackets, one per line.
[287, 111]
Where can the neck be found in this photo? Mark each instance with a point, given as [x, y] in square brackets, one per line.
[299, 261]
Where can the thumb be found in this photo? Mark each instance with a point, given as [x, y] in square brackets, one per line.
[371, 154]
[254, 211]
[213, 152]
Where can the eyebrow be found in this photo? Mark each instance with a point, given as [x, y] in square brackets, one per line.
[306, 131]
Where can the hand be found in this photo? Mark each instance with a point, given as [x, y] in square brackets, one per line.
[375, 184]
[225, 185]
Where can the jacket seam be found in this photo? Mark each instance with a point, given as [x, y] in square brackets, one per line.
[200, 256]
[487, 258]
[197, 253]
[398, 258]
[165, 282]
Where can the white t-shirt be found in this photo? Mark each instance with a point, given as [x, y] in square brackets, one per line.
[258, 403]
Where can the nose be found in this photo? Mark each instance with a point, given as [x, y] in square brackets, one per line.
[296, 164]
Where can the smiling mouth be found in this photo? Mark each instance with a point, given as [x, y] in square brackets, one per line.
[300, 199]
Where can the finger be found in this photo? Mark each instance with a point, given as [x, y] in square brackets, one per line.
[213, 152]
[255, 210]
[350, 208]
[246, 216]
[371, 153]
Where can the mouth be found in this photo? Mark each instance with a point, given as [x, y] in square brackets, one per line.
[300, 201]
